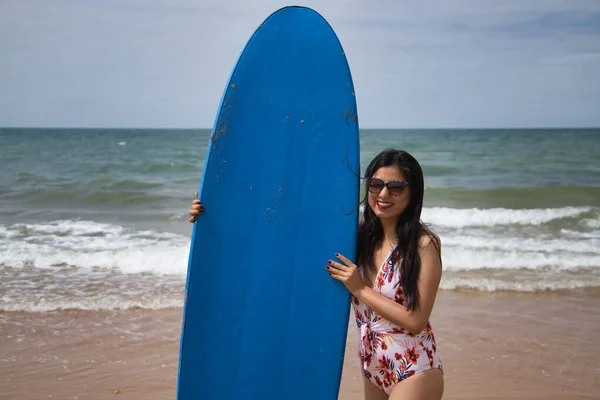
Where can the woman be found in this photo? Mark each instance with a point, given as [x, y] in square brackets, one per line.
[395, 283]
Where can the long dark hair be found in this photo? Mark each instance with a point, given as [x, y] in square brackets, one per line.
[409, 228]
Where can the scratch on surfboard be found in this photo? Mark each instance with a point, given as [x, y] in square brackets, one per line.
[349, 115]
[220, 130]
[221, 127]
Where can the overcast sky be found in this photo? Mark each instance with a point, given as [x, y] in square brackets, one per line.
[415, 64]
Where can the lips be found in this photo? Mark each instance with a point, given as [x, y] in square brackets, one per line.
[384, 205]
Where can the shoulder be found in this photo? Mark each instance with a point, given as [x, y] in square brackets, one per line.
[429, 238]
[429, 242]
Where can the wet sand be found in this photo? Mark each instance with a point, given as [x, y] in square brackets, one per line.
[493, 346]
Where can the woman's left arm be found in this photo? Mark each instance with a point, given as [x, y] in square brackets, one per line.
[429, 280]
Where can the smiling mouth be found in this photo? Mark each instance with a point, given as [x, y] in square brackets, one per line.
[384, 205]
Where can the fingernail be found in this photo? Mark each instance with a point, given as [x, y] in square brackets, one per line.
[329, 262]
[327, 267]
[329, 274]
[337, 254]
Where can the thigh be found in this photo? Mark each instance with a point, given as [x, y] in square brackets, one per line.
[426, 385]
[372, 392]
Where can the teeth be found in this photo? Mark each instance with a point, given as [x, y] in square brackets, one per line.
[381, 203]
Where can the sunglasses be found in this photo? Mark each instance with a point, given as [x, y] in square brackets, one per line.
[395, 188]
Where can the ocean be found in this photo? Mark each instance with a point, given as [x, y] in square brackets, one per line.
[96, 219]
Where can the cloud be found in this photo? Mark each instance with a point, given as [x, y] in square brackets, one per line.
[145, 63]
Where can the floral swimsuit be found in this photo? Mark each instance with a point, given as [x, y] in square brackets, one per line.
[388, 353]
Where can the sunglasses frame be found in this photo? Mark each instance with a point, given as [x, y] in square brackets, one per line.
[403, 185]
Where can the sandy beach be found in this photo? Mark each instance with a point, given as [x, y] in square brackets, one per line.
[494, 346]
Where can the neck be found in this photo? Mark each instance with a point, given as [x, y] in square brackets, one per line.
[389, 230]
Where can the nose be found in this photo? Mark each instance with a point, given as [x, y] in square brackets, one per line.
[384, 192]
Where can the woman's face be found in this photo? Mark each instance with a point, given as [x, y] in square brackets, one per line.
[389, 201]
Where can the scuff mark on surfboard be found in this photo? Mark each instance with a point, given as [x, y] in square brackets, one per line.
[218, 175]
[269, 213]
[220, 130]
[280, 194]
[349, 115]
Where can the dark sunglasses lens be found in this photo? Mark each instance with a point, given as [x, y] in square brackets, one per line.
[375, 185]
[396, 188]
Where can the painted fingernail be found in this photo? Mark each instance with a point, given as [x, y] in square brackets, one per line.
[337, 254]
[327, 267]
[329, 262]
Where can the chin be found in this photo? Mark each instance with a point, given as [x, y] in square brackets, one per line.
[387, 216]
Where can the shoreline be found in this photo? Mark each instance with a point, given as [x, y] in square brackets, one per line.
[501, 345]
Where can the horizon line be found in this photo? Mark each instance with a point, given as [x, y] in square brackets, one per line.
[360, 128]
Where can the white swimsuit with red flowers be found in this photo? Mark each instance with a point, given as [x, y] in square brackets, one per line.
[388, 353]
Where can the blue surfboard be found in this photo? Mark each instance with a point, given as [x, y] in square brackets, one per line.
[261, 319]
